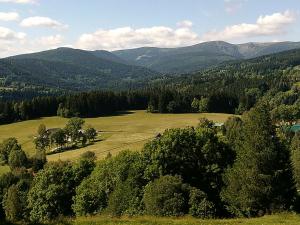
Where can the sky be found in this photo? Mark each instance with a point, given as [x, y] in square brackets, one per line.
[35, 25]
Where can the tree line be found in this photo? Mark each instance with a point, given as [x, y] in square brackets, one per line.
[92, 104]
[245, 168]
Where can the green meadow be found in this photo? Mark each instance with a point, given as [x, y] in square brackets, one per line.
[280, 219]
[128, 130]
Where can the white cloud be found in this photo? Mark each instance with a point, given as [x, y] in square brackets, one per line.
[128, 37]
[19, 1]
[39, 21]
[265, 26]
[9, 35]
[9, 16]
[11, 47]
[185, 23]
[51, 41]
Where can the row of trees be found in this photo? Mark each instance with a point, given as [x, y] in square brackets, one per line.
[104, 103]
[82, 105]
[243, 169]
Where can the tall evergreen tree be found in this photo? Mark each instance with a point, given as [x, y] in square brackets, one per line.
[295, 151]
[260, 180]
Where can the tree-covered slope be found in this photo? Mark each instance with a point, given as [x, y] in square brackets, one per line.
[71, 69]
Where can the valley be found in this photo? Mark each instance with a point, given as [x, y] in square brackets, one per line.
[149, 112]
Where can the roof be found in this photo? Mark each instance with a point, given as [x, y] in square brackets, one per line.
[218, 124]
[295, 128]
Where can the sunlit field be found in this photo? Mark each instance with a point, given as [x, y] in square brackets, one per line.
[129, 130]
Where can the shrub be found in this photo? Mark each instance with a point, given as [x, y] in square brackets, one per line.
[200, 206]
[125, 199]
[91, 197]
[114, 182]
[17, 159]
[166, 196]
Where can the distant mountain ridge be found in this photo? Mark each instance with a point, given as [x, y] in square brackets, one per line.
[199, 56]
[80, 70]
[71, 69]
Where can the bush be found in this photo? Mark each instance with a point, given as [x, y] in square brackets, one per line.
[17, 159]
[6, 147]
[91, 197]
[125, 199]
[166, 196]
[200, 206]
[53, 189]
[114, 182]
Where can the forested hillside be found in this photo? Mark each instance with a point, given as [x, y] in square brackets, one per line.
[71, 70]
[229, 88]
[65, 70]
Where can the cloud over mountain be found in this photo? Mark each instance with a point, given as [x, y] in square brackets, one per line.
[128, 37]
[264, 26]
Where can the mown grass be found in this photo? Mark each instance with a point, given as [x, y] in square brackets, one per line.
[280, 219]
[130, 130]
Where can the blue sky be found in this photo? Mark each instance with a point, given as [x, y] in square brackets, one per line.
[34, 25]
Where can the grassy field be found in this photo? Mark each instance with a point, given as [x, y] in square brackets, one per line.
[4, 169]
[282, 219]
[129, 130]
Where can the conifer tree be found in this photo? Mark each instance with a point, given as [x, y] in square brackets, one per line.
[260, 180]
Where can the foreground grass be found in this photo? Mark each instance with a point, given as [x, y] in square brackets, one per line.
[130, 130]
[279, 219]
[289, 219]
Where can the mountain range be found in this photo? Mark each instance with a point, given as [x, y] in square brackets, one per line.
[80, 70]
[203, 55]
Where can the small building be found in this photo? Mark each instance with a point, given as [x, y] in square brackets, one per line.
[295, 128]
[218, 124]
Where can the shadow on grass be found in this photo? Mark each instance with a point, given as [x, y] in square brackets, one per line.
[119, 113]
[73, 148]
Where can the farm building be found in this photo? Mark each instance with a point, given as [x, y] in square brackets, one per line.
[295, 128]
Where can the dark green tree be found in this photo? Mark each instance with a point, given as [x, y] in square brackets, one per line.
[15, 201]
[42, 140]
[199, 204]
[255, 184]
[232, 130]
[198, 155]
[53, 189]
[17, 159]
[74, 129]
[58, 138]
[6, 147]
[115, 183]
[295, 156]
[166, 196]
[91, 134]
